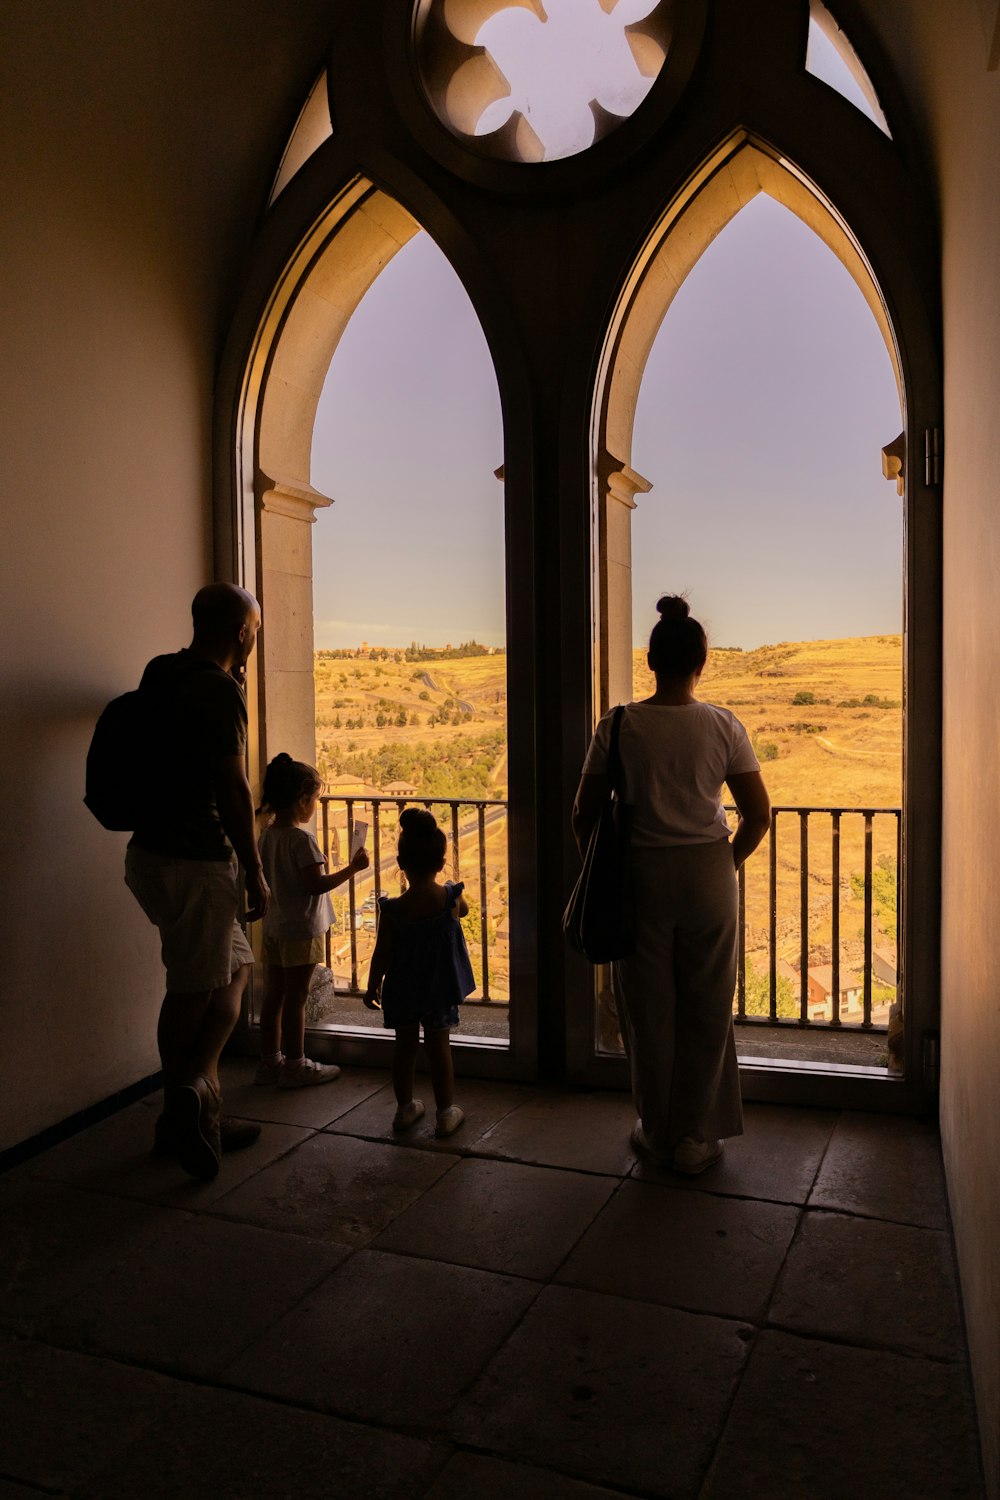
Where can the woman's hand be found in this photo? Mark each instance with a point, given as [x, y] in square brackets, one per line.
[370, 1000]
[360, 860]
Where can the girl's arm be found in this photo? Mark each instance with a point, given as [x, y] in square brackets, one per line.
[316, 881]
[379, 963]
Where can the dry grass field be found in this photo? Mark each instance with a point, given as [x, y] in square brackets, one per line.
[825, 718]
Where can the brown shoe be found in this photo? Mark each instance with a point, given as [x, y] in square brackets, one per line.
[193, 1109]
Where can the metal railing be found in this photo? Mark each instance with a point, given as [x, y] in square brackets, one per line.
[465, 821]
[890, 864]
[850, 882]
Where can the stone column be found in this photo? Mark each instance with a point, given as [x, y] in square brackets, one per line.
[618, 486]
[287, 512]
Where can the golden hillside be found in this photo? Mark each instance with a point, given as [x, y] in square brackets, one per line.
[825, 716]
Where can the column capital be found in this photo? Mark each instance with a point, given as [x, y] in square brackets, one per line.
[894, 461]
[299, 502]
[620, 481]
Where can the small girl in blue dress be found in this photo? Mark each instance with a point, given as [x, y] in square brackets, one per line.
[421, 966]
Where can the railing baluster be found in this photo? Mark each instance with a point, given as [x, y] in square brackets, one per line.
[352, 900]
[804, 917]
[328, 944]
[835, 917]
[899, 908]
[868, 921]
[741, 942]
[455, 863]
[482, 901]
[772, 899]
[376, 849]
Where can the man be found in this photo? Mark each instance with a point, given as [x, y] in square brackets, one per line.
[181, 867]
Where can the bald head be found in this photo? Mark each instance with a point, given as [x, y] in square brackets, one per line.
[226, 619]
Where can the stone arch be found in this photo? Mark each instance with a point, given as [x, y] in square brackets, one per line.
[318, 296]
[709, 202]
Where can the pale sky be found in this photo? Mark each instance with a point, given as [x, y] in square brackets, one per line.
[765, 402]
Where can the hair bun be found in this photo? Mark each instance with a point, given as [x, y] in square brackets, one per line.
[416, 818]
[282, 759]
[673, 607]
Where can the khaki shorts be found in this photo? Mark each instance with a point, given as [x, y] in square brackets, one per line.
[194, 903]
[294, 953]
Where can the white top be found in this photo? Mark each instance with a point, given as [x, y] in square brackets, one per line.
[293, 913]
[675, 758]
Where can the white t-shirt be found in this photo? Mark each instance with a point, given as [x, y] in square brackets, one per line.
[675, 758]
[293, 913]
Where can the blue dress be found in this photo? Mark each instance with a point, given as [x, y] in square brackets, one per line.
[429, 973]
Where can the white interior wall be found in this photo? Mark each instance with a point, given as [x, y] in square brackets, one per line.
[942, 55]
[138, 141]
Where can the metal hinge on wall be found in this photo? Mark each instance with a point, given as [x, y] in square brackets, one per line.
[933, 456]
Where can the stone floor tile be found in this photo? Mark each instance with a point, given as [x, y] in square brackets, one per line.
[335, 1188]
[685, 1249]
[485, 1105]
[587, 1132]
[885, 1167]
[870, 1282]
[193, 1299]
[66, 1415]
[386, 1335]
[310, 1108]
[222, 1445]
[776, 1158]
[115, 1157]
[826, 1421]
[501, 1216]
[11, 1491]
[55, 1241]
[621, 1393]
[469, 1475]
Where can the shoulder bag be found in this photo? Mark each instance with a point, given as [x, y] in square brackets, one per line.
[599, 921]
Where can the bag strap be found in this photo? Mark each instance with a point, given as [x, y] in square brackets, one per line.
[614, 753]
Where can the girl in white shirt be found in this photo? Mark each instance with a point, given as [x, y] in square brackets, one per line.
[675, 992]
[296, 921]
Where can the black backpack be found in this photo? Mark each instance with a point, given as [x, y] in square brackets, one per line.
[118, 759]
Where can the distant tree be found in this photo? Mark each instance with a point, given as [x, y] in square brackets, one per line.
[336, 722]
[803, 697]
[758, 994]
[884, 893]
[401, 717]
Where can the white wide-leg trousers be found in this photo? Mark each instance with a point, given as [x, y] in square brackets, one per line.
[675, 994]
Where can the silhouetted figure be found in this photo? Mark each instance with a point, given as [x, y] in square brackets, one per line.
[181, 867]
[675, 993]
[420, 970]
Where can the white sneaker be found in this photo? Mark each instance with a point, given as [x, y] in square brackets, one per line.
[408, 1114]
[306, 1074]
[692, 1155]
[448, 1121]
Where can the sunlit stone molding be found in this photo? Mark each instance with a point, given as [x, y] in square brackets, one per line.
[618, 485]
[287, 515]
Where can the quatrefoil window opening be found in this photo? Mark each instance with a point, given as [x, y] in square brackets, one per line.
[539, 80]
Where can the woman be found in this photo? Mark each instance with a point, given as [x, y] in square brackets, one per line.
[675, 993]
